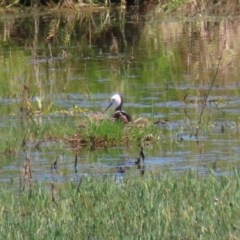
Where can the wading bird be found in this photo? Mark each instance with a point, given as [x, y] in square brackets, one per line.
[117, 100]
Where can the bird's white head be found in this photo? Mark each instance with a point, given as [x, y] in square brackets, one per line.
[116, 99]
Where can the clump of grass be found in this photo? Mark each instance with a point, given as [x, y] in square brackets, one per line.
[75, 131]
[186, 206]
[107, 133]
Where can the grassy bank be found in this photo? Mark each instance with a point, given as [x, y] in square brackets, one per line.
[168, 207]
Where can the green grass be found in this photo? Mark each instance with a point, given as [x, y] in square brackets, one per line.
[71, 131]
[39, 129]
[187, 206]
[105, 129]
[113, 133]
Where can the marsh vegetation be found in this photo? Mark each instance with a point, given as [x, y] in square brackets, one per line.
[68, 170]
[168, 206]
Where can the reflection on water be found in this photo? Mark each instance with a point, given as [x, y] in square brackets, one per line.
[162, 65]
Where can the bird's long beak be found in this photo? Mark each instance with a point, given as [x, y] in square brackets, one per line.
[108, 107]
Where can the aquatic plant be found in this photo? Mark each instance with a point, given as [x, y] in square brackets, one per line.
[154, 206]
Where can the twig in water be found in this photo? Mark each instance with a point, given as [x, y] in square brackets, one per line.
[141, 156]
[209, 90]
[54, 165]
[142, 153]
[138, 161]
[53, 192]
[75, 162]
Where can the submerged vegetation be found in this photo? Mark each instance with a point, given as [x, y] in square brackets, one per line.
[187, 206]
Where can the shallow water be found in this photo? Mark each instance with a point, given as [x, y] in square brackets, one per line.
[163, 66]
